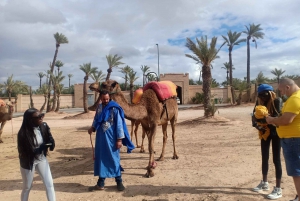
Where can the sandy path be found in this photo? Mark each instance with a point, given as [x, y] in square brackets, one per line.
[219, 159]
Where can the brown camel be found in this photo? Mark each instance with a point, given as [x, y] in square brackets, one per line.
[6, 114]
[151, 112]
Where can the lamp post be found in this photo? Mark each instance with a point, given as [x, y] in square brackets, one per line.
[158, 62]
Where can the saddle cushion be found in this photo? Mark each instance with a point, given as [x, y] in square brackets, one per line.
[164, 89]
[2, 103]
[137, 95]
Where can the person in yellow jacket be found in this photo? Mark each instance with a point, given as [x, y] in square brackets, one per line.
[267, 103]
[288, 128]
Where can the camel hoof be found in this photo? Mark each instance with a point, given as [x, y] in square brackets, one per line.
[142, 150]
[175, 157]
[160, 159]
[1, 141]
[138, 146]
[149, 173]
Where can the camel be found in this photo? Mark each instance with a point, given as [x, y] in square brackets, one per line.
[6, 114]
[151, 112]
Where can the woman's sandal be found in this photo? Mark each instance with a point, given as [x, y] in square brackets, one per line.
[96, 188]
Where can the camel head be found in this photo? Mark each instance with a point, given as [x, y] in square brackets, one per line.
[111, 86]
[95, 87]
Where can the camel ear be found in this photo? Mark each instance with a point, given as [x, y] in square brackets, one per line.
[114, 84]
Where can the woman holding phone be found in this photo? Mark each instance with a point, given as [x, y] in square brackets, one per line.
[34, 139]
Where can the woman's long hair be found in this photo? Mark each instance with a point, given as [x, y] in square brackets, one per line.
[26, 133]
[270, 104]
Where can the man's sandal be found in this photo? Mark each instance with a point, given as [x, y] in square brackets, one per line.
[96, 188]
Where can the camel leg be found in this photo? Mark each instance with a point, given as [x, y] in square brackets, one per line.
[173, 124]
[1, 130]
[152, 163]
[142, 150]
[165, 137]
[131, 131]
[136, 124]
[0, 136]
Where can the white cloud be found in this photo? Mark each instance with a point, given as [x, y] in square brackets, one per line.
[133, 28]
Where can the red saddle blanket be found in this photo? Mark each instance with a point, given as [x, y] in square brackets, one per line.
[164, 89]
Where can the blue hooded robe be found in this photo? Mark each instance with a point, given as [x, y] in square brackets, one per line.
[110, 125]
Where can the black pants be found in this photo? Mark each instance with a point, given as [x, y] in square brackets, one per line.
[265, 151]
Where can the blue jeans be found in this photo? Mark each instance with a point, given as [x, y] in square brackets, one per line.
[291, 153]
[102, 180]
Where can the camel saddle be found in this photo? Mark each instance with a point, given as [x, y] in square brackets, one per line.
[163, 89]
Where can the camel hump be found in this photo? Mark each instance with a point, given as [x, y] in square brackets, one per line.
[163, 89]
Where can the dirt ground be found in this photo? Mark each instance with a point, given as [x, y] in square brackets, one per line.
[219, 159]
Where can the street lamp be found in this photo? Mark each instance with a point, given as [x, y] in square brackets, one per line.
[158, 62]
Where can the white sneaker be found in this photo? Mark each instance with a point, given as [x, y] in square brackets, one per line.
[262, 186]
[276, 193]
[296, 198]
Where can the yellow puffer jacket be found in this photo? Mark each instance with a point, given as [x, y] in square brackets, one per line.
[260, 113]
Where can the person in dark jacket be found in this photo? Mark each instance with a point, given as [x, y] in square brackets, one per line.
[266, 97]
[34, 139]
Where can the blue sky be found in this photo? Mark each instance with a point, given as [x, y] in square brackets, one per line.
[132, 28]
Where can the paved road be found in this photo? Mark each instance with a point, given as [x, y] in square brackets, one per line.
[78, 110]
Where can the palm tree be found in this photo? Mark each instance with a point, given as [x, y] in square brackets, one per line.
[59, 39]
[151, 77]
[125, 70]
[88, 70]
[41, 75]
[70, 75]
[113, 61]
[260, 79]
[98, 77]
[253, 32]
[145, 69]
[56, 80]
[278, 73]
[231, 41]
[58, 64]
[132, 78]
[227, 68]
[11, 86]
[204, 54]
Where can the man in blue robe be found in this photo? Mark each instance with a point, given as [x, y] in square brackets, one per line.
[111, 133]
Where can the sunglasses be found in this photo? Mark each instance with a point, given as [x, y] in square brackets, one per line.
[264, 94]
[40, 116]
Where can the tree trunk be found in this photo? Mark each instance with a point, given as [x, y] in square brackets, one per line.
[50, 80]
[54, 99]
[109, 70]
[43, 106]
[58, 103]
[85, 106]
[9, 95]
[40, 83]
[248, 68]
[131, 92]
[30, 95]
[230, 76]
[233, 95]
[206, 77]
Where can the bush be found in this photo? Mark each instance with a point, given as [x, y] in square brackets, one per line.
[198, 98]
